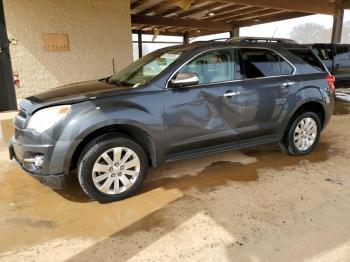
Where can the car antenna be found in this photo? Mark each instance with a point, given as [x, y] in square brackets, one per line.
[274, 33]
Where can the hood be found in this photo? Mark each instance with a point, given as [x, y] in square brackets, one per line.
[70, 94]
[74, 93]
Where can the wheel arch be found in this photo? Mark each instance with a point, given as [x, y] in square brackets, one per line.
[309, 106]
[135, 133]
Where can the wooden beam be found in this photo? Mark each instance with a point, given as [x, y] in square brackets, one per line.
[345, 4]
[194, 33]
[259, 15]
[138, 3]
[144, 32]
[270, 19]
[179, 9]
[207, 7]
[188, 23]
[235, 13]
[155, 7]
[306, 6]
[228, 11]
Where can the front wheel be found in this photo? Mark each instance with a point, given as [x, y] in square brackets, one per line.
[302, 134]
[112, 168]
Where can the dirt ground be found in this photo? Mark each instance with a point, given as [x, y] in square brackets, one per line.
[251, 205]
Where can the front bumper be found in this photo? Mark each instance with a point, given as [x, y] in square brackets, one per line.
[51, 172]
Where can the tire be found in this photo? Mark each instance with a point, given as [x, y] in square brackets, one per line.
[98, 173]
[312, 130]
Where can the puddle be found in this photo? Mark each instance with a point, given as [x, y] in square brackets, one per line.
[228, 168]
[220, 173]
[342, 103]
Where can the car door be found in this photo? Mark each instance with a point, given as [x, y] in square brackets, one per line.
[342, 62]
[268, 78]
[208, 113]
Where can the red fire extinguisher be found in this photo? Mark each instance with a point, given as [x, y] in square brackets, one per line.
[16, 81]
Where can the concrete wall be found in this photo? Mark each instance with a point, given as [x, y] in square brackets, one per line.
[98, 31]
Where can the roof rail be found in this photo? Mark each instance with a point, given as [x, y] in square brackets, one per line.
[262, 40]
[211, 40]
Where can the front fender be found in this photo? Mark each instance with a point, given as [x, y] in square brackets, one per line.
[88, 117]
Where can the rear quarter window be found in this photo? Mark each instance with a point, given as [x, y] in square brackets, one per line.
[263, 63]
[308, 56]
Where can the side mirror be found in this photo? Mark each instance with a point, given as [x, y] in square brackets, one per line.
[184, 79]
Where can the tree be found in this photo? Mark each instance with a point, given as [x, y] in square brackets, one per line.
[310, 33]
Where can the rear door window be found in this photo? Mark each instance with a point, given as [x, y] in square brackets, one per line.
[342, 52]
[258, 63]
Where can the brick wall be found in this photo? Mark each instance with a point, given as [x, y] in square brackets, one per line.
[98, 31]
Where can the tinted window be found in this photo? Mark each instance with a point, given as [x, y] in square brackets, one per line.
[342, 52]
[263, 63]
[309, 57]
[212, 66]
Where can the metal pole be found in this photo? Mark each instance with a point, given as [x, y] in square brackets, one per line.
[337, 26]
[139, 43]
[7, 91]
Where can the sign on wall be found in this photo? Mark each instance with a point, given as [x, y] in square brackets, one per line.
[56, 42]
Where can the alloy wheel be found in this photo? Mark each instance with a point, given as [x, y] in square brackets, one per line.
[305, 134]
[116, 170]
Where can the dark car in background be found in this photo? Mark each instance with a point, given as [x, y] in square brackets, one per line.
[175, 103]
[336, 57]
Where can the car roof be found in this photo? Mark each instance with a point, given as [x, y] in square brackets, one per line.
[237, 42]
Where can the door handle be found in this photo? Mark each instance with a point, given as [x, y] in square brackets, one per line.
[288, 83]
[231, 94]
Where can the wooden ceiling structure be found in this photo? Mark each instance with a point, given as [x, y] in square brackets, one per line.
[203, 17]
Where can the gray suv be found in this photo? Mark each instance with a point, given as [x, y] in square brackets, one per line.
[175, 103]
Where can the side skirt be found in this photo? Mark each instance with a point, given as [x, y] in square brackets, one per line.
[222, 148]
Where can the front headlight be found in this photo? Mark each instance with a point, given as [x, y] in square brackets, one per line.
[47, 117]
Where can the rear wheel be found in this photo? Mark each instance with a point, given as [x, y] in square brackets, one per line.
[302, 134]
[112, 168]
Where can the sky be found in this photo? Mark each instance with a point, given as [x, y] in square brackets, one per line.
[282, 28]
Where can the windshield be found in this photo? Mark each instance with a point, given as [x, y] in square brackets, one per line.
[145, 69]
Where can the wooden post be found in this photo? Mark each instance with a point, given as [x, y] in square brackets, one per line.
[139, 43]
[7, 91]
[234, 32]
[186, 38]
[338, 19]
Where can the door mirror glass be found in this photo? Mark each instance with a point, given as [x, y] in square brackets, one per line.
[184, 79]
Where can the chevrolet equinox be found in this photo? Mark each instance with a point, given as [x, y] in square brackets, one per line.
[175, 103]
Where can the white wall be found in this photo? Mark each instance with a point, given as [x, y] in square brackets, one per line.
[98, 31]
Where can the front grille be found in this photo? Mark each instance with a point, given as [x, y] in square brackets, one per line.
[18, 134]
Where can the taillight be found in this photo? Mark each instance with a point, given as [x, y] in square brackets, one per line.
[331, 80]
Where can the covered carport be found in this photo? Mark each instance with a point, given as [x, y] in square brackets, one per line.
[189, 18]
[193, 18]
